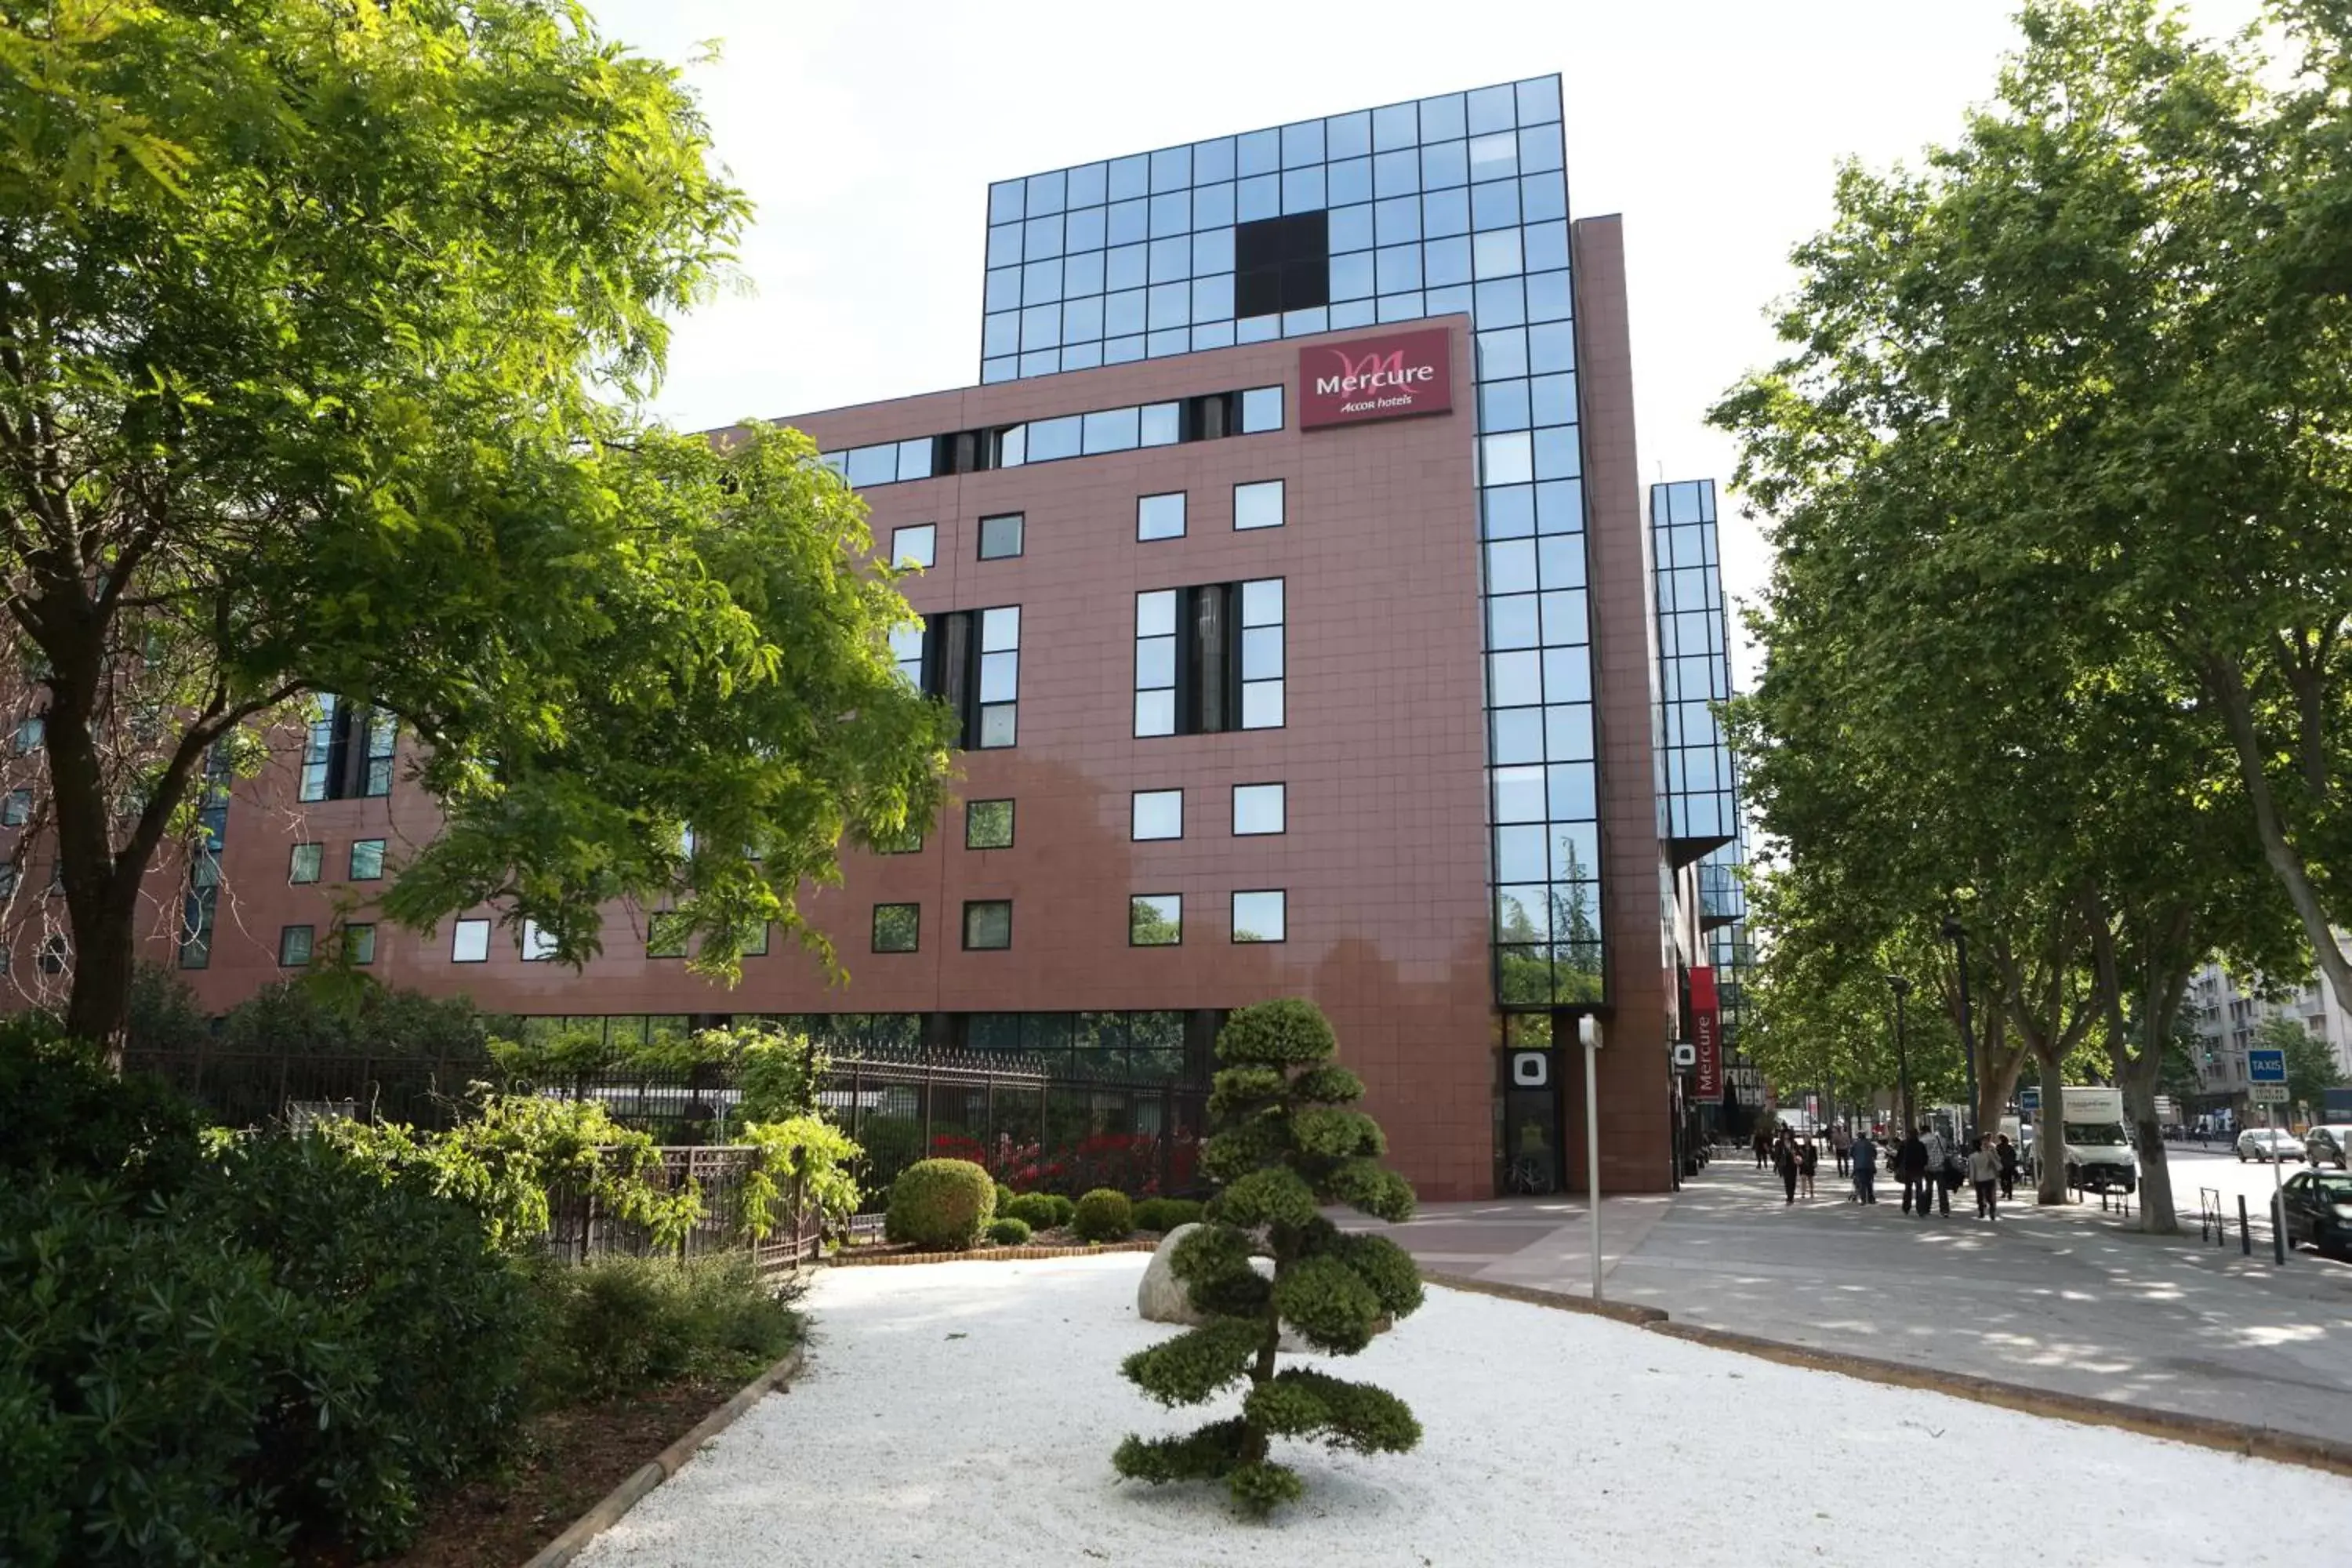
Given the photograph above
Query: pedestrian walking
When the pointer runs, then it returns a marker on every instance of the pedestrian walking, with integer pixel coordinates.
(2008, 1152)
(1984, 1170)
(1784, 1164)
(1841, 1146)
(1809, 1159)
(1762, 1144)
(1910, 1160)
(1865, 1170)
(1936, 1174)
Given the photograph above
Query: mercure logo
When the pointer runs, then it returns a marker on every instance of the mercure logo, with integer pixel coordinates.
(1375, 378)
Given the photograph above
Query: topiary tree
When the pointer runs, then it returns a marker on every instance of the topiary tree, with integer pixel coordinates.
(1286, 1144)
(941, 1203)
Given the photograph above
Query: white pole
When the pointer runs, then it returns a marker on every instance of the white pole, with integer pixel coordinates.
(1588, 1030)
(2278, 1209)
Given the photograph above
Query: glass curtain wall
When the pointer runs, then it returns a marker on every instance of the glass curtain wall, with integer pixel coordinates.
(1457, 203)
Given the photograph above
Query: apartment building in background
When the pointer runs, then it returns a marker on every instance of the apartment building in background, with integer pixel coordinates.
(1312, 635)
(2228, 1016)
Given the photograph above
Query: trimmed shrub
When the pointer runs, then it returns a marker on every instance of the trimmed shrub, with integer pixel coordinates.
(1041, 1211)
(1289, 1141)
(1164, 1215)
(1008, 1232)
(622, 1323)
(1004, 1198)
(941, 1203)
(1104, 1215)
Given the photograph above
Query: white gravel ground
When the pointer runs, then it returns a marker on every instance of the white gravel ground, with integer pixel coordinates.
(964, 1414)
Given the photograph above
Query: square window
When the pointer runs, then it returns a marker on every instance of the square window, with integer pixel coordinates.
(1155, 920)
(469, 942)
(1160, 517)
(665, 934)
(1156, 813)
(988, 924)
(913, 546)
(908, 840)
(1260, 410)
(308, 860)
(1282, 264)
(988, 825)
(367, 859)
(999, 537)
(359, 945)
(1259, 809)
(897, 928)
(1257, 505)
(757, 944)
(294, 947)
(538, 947)
(1260, 917)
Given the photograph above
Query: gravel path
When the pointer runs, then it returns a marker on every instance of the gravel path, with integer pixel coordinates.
(964, 1414)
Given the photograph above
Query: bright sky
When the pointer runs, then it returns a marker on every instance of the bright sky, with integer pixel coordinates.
(867, 134)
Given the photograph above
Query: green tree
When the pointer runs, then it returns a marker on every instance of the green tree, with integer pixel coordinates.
(324, 331)
(1286, 1144)
(2311, 1064)
(1965, 700)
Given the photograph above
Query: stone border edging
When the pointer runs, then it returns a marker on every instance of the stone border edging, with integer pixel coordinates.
(609, 1509)
(2315, 1453)
(988, 1254)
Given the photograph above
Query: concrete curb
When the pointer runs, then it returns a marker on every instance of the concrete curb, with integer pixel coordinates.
(1624, 1312)
(2325, 1454)
(609, 1509)
(988, 1255)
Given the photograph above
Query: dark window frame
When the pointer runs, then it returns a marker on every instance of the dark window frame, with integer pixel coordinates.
(352, 861)
(1012, 822)
(1131, 898)
(1020, 535)
(310, 938)
(1232, 815)
(1135, 795)
(294, 864)
(971, 904)
(457, 927)
(1232, 929)
(874, 928)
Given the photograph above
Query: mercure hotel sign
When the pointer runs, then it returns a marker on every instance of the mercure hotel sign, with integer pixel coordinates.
(1376, 378)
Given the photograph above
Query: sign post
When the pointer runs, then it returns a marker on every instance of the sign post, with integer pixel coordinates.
(1588, 1031)
(2266, 1071)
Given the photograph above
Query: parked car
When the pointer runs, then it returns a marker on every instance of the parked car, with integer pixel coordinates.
(2329, 1144)
(2316, 1206)
(2268, 1143)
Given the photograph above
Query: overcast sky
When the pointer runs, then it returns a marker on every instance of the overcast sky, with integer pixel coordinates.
(867, 134)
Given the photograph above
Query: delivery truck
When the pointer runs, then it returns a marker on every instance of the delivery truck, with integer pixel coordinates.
(2094, 1141)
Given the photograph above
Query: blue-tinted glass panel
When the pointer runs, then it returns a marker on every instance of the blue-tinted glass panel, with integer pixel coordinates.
(1396, 173)
(1258, 152)
(1351, 275)
(1129, 222)
(1542, 196)
(1398, 221)
(1082, 274)
(1213, 298)
(1350, 182)
(1448, 265)
(1129, 267)
(1212, 161)
(1502, 405)
(1172, 260)
(1045, 193)
(1004, 202)
(1256, 197)
(1560, 563)
(1130, 176)
(1213, 252)
(1397, 125)
(1171, 215)
(1213, 205)
(1302, 190)
(1351, 228)
(1084, 229)
(1088, 185)
(1347, 135)
(1400, 308)
(1509, 512)
(1302, 143)
(1494, 157)
(1004, 245)
(1042, 238)
(1548, 296)
(1445, 212)
(1496, 206)
(1444, 165)
(1041, 282)
(1352, 313)
(1003, 290)
(1492, 109)
(1551, 346)
(1539, 150)
(1539, 100)
(1171, 169)
(1442, 118)
(1498, 253)
(1553, 399)
(1500, 353)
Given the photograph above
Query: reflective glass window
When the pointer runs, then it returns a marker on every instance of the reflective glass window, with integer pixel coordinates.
(1260, 916)
(1155, 920)
(1260, 410)
(1159, 516)
(1347, 135)
(915, 545)
(988, 924)
(1156, 813)
(1259, 809)
(1000, 536)
(1257, 505)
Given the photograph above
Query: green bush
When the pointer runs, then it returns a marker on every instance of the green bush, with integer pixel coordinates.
(292, 1349)
(1164, 1215)
(1008, 1232)
(1288, 1140)
(623, 1323)
(1104, 1215)
(62, 1110)
(941, 1203)
(1003, 1197)
(1041, 1211)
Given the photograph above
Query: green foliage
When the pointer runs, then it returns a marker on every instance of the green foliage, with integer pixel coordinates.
(408, 272)
(1042, 1211)
(1004, 1198)
(163, 1013)
(1104, 1215)
(622, 1323)
(512, 1151)
(1288, 1141)
(1164, 1215)
(293, 1347)
(305, 1016)
(61, 1109)
(805, 1155)
(941, 1204)
(1008, 1232)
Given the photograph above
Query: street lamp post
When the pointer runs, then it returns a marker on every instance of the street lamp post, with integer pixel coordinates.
(1902, 988)
(1957, 934)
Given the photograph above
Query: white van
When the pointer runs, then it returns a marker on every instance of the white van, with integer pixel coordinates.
(2096, 1144)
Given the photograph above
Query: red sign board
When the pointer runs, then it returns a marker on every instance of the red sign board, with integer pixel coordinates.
(1376, 378)
(1707, 1033)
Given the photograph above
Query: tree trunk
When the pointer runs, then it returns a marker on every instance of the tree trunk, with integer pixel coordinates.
(2226, 683)
(2050, 1186)
(1996, 1082)
(98, 1009)
(2157, 1215)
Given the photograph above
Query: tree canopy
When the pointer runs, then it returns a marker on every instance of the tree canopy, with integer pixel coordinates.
(2033, 393)
(322, 336)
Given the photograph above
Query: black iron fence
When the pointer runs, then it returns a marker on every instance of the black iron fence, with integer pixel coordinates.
(580, 1229)
(1034, 1130)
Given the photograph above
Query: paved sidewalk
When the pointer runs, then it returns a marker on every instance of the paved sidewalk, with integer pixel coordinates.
(2054, 1299)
